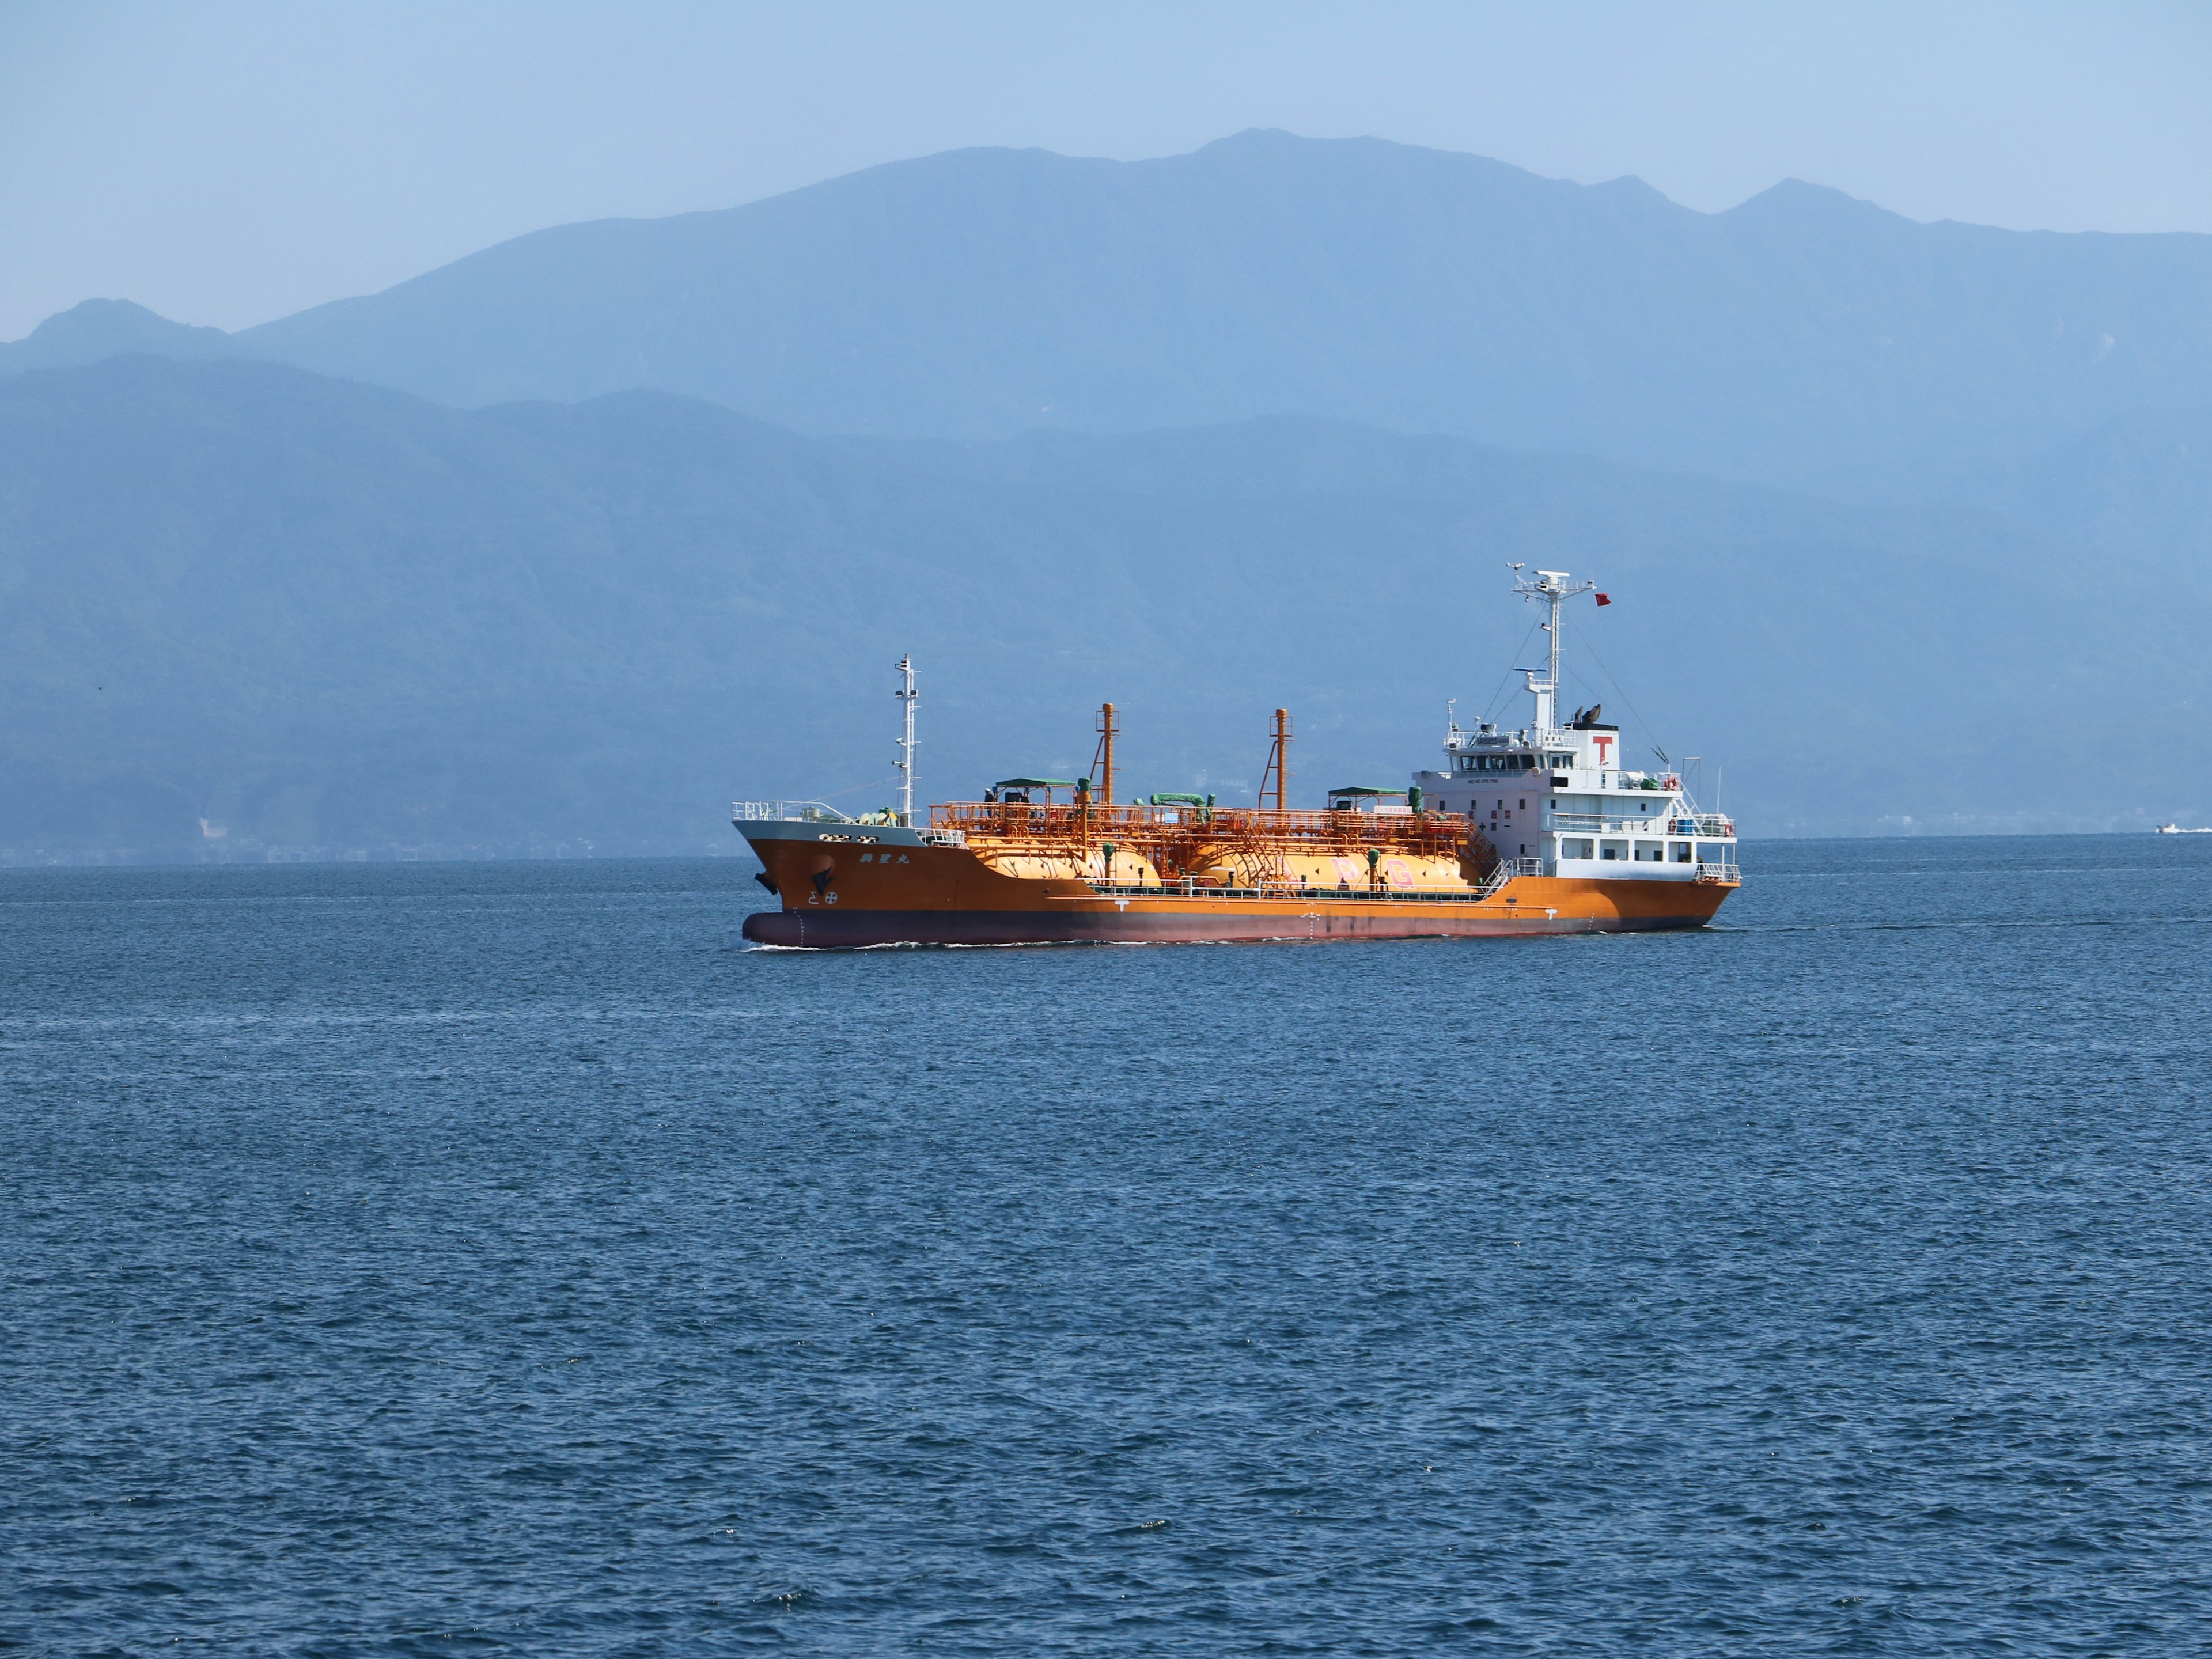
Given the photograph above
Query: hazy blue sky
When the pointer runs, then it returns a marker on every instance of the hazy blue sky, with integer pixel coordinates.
(229, 163)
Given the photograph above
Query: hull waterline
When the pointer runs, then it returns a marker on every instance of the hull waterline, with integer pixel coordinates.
(859, 929)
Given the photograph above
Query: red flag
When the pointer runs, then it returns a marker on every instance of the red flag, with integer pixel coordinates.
(1605, 599)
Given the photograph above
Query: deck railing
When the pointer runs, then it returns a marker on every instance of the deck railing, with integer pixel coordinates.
(1506, 870)
(1059, 824)
(785, 811)
(1596, 824)
(1293, 891)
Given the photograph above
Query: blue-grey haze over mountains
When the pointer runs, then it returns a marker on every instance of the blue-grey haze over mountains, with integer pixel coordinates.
(985, 293)
(566, 542)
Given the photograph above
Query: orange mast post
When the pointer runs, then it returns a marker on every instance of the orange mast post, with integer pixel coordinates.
(1102, 761)
(1278, 760)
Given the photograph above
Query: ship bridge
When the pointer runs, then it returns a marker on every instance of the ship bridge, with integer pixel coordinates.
(1561, 794)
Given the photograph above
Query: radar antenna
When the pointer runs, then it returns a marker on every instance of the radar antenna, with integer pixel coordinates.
(1554, 589)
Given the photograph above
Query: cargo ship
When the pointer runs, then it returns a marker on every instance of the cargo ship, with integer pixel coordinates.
(1543, 829)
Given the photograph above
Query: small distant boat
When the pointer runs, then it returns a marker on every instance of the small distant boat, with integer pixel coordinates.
(2176, 829)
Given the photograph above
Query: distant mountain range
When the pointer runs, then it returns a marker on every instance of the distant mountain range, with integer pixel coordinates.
(559, 547)
(244, 606)
(982, 294)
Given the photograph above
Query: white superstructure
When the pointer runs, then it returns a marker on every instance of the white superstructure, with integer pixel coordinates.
(1561, 792)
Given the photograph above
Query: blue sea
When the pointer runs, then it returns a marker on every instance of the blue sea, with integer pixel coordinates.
(501, 1258)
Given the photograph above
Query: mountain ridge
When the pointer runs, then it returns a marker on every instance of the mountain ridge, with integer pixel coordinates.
(94, 330)
(983, 293)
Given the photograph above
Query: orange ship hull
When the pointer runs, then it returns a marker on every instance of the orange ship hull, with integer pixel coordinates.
(924, 894)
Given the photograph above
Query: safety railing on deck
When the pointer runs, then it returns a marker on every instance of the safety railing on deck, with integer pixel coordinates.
(1062, 823)
(785, 811)
(1596, 824)
(815, 811)
(1362, 893)
(1506, 870)
(1716, 870)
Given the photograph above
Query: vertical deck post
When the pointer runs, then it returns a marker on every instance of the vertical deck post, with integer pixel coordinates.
(1278, 760)
(1101, 763)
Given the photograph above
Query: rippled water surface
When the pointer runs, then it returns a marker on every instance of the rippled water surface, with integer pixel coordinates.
(471, 1258)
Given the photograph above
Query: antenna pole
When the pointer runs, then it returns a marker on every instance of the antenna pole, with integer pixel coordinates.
(1547, 714)
(1554, 589)
(906, 695)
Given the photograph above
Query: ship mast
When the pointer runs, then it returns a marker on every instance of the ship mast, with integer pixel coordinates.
(1554, 589)
(1279, 761)
(905, 694)
(1102, 761)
